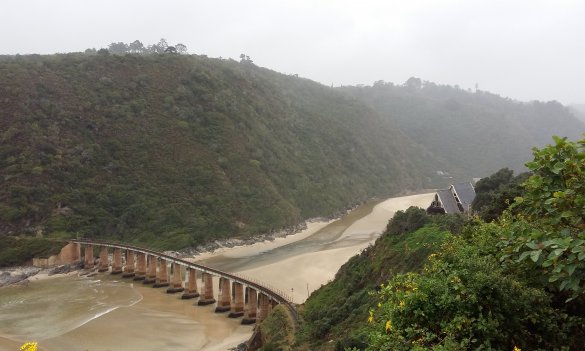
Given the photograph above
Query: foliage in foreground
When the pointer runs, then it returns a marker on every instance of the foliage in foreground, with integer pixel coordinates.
(466, 300)
(517, 283)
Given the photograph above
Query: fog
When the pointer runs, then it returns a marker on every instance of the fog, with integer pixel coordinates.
(524, 49)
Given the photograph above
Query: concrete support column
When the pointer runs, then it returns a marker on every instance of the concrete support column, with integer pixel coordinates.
(225, 296)
(71, 253)
(88, 263)
(75, 252)
(117, 264)
(191, 291)
(140, 273)
(162, 276)
(104, 260)
(238, 304)
(151, 276)
(265, 307)
(251, 306)
(177, 282)
(207, 298)
(129, 266)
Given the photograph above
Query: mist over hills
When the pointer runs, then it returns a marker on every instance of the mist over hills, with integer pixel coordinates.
(176, 150)
(469, 134)
(579, 111)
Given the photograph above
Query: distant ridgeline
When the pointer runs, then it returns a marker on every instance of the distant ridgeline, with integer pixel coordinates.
(176, 150)
(472, 134)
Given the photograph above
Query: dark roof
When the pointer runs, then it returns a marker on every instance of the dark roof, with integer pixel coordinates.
(465, 193)
(448, 201)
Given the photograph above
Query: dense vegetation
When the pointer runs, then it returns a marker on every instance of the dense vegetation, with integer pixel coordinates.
(516, 283)
(175, 150)
(470, 134)
(494, 194)
(21, 250)
(276, 330)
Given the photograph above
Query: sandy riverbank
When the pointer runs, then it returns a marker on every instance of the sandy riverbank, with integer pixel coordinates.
(263, 246)
(330, 245)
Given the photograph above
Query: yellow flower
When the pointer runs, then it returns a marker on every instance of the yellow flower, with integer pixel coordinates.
(516, 348)
(29, 346)
(388, 326)
(371, 317)
(401, 304)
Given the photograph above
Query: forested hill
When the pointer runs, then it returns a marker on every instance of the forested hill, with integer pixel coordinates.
(472, 134)
(173, 150)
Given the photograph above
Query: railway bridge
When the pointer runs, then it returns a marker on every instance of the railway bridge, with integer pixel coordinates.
(238, 296)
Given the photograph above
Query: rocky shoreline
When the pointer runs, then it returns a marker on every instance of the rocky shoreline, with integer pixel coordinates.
(20, 275)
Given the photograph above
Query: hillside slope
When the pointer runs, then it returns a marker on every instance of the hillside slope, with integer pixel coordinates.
(470, 134)
(174, 150)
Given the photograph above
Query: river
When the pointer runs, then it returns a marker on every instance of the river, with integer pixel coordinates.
(106, 313)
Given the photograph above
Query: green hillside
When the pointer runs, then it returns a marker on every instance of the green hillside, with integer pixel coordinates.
(470, 134)
(175, 150)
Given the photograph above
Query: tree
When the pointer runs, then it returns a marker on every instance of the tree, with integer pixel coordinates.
(118, 48)
(413, 83)
(181, 48)
(553, 208)
(494, 194)
(170, 50)
(136, 47)
(245, 58)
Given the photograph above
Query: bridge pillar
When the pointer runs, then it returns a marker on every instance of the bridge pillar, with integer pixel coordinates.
(251, 307)
(140, 266)
(191, 285)
(75, 253)
(238, 305)
(70, 253)
(88, 263)
(104, 260)
(151, 276)
(207, 298)
(129, 267)
(225, 296)
(117, 264)
(177, 283)
(162, 276)
(265, 307)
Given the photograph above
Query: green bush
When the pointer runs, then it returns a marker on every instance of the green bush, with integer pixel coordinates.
(464, 299)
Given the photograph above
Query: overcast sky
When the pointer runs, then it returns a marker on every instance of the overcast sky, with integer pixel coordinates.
(523, 49)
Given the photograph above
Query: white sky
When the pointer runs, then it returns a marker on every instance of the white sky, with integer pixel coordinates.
(524, 49)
